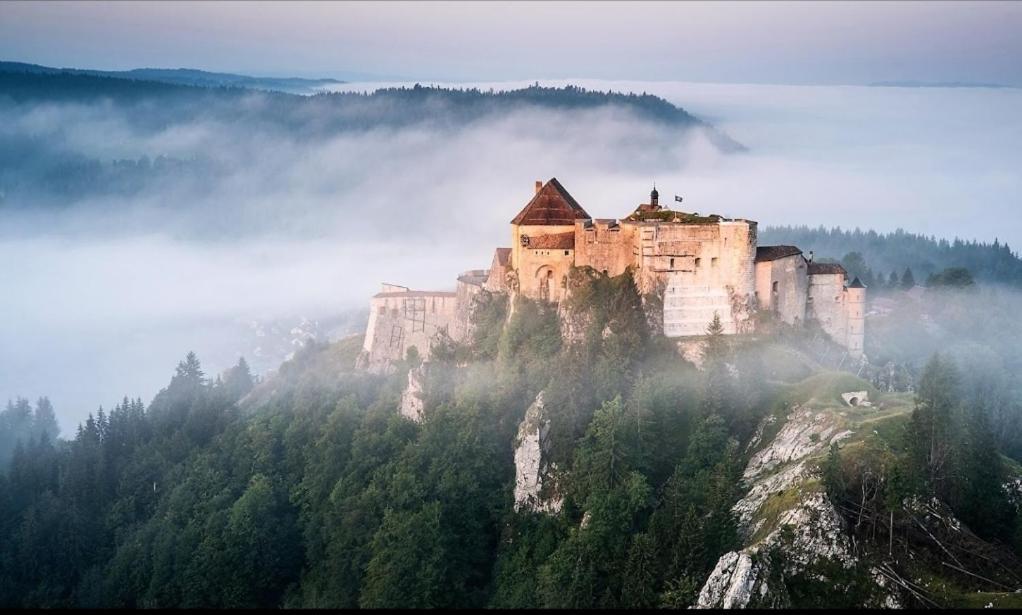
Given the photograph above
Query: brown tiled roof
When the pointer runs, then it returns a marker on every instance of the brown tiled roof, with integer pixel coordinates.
(502, 256)
(551, 206)
(560, 241)
(825, 268)
(772, 253)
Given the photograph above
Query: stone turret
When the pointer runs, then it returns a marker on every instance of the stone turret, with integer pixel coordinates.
(856, 308)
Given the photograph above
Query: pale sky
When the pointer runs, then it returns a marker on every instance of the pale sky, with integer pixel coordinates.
(743, 42)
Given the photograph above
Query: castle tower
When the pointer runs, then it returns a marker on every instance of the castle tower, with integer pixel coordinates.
(856, 307)
(543, 242)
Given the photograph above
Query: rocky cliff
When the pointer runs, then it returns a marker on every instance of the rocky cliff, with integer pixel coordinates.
(535, 487)
(789, 525)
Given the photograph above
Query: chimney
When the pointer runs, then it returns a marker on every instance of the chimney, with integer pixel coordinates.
(810, 256)
(539, 186)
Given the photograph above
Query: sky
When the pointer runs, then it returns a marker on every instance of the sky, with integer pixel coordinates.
(744, 42)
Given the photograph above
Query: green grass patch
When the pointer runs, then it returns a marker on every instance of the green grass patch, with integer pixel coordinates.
(777, 504)
(823, 390)
(981, 600)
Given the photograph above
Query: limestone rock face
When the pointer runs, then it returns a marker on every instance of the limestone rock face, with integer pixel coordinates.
(533, 478)
(731, 583)
(412, 404)
(805, 432)
(783, 492)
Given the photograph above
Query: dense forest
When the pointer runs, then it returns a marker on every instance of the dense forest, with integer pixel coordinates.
(21, 424)
(901, 259)
(349, 110)
(311, 490)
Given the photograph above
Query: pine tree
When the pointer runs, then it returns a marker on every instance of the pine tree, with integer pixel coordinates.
(45, 421)
(238, 380)
(908, 281)
(189, 370)
(931, 434)
(717, 380)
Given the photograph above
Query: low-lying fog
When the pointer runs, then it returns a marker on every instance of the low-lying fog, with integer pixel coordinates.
(103, 298)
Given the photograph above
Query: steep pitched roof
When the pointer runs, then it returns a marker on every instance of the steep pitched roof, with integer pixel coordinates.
(825, 269)
(772, 253)
(856, 283)
(551, 206)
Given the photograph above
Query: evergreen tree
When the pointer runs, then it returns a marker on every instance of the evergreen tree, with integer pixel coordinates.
(238, 381)
(189, 370)
(718, 385)
(931, 434)
(908, 281)
(45, 420)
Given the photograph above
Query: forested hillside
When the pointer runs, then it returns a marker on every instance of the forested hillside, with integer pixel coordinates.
(883, 259)
(311, 490)
(41, 165)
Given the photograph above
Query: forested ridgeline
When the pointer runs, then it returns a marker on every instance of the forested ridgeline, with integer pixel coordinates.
(901, 259)
(59, 164)
(325, 113)
(310, 489)
(182, 76)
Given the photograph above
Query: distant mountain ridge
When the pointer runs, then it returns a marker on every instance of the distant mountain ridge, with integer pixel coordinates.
(938, 84)
(184, 76)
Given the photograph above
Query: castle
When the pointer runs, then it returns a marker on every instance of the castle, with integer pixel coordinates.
(701, 265)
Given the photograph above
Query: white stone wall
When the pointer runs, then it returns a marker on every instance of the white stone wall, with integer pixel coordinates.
(709, 269)
(792, 282)
(403, 319)
(827, 299)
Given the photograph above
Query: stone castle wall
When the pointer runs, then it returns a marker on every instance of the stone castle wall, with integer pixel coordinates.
(605, 245)
(782, 286)
(826, 303)
(706, 269)
(542, 269)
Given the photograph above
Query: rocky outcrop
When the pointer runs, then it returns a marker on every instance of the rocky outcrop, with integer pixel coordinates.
(412, 404)
(535, 487)
(786, 508)
(805, 432)
(732, 582)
